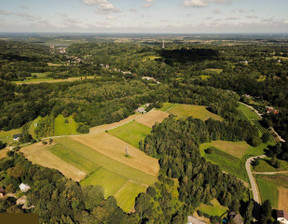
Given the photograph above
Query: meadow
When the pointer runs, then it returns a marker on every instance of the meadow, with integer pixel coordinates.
(65, 126)
(264, 166)
(116, 176)
(132, 132)
(268, 191)
(227, 162)
(185, 110)
(150, 118)
(215, 209)
(7, 136)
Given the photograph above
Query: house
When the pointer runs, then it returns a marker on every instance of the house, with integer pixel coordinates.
(282, 217)
(24, 187)
(193, 220)
(2, 192)
(271, 110)
(236, 218)
(16, 137)
(141, 110)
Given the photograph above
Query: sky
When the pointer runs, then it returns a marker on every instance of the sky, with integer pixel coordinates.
(144, 16)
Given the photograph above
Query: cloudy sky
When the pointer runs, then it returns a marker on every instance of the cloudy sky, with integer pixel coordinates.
(144, 16)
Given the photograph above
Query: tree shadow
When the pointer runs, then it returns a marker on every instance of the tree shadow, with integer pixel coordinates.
(188, 55)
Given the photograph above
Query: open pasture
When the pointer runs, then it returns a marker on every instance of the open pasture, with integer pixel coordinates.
(92, 155)
(152, 117)
(50, 80)
(283, 199)
(213, 210)
(236, 149)
(199, 112)
(65, 126)
(132, 132)
(40, 154)
(110, 181)
(268, 191)
(115, 149)
(7, 136)
(127, 193)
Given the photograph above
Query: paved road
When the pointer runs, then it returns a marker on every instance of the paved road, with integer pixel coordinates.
(254, 187)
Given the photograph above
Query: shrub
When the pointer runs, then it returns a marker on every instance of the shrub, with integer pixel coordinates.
(44, 143)
(83, 129)
(209, 150)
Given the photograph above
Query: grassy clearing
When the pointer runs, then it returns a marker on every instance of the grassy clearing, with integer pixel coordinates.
(73, 158)
(50, 80)
(61, 127)
(7, 136)
(152, 117)
(41, 75)
(256, 151)
(268, 191)
(280, 180)
(200, 112)
(112, 165)
(264, 166)
(33, 126)
(167, 106)
(283, 199)
(132, 133)
(126, 195)
(250, 114)
(227, 163)
(214, 70)
(111, 182)
(215, 209)
(236, 149)
(40, 154)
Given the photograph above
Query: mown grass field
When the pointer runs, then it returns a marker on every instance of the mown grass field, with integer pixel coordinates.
(152, 117)
(227, 162)
(132, 133)
(250, 114)
(185, 110)
(117, 178)
(214, 70)
(63, 128)
(33, 127)
(126, 195)
(41, 154)
(268, 191)
(50, 80)
(7, 136)
(283, 199)
(110, 181)
(264, 166)
(236, 149)
(213, 210)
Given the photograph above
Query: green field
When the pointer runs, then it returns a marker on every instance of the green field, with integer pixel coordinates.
(62, 128)
(126, 195)
(34, 80)
(248, 113)
(268, 191)
(41, 75)
(186, 110)
(111, 182)
(74, 158)
(99, 159)
(227, 163)
(214, 70)
(33, 127)
(280, 180)
(7, 136)
(264, 166)
(117, 179)
(215, 209)
(236, 149)
(131, 133)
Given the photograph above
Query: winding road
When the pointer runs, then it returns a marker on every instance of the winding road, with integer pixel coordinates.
(254, 187)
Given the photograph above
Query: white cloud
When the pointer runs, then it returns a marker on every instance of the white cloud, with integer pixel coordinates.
(217, 11)
(24, 7)
(202, 3)
(252, 17)
(5, 12)
(148, 4)
(232, 18)
(27, 16)
(103, 5)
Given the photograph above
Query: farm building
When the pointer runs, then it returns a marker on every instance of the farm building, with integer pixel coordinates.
(16, 137)
(2, 192)
(282, 217)
(193, 220)
(236, 218)
(24, 187)
(271, 110)
(141, 110)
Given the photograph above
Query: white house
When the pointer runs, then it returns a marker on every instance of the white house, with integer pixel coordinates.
(24, 187)
(282, 217)
(193, 220)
